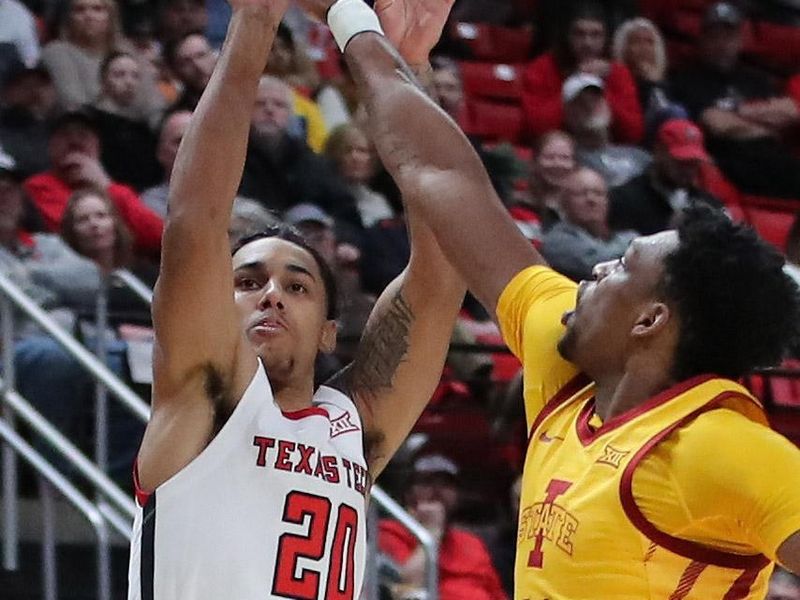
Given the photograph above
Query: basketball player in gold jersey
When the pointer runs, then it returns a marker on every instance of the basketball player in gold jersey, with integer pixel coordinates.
(650, 472)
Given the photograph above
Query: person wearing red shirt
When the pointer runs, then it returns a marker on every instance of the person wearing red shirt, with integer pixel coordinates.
(581, 50)
(74, 149)
(465, 567)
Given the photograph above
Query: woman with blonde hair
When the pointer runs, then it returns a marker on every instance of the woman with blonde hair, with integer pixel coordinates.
(639, 45)
(351, 153)
(89, 30)
(93, 228)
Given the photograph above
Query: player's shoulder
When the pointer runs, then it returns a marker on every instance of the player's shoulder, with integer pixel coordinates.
(724, 441)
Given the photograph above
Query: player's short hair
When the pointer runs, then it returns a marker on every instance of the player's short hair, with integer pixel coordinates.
(738, 309)
(292, 235)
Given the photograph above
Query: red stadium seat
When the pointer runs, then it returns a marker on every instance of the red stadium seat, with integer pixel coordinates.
(715, 183)
(495, 43)
(771, 218)
(774, 45)
(492, 121)
(491, 80)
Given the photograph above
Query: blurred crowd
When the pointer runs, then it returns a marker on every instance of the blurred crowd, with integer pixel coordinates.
(598, 121)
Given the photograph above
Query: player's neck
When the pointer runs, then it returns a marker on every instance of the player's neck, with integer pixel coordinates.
(618, 394)
(292, 396)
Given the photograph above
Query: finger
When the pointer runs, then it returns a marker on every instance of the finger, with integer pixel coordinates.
(382, 5)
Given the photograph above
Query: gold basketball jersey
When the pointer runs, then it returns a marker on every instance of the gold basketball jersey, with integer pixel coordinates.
(582, 534)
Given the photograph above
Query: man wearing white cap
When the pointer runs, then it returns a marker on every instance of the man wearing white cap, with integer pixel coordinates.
(587, 116)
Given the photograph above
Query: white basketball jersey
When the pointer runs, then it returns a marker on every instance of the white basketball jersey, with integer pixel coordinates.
(274, 507)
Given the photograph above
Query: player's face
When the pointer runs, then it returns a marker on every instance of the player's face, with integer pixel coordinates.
(620, 306)
(281, 298)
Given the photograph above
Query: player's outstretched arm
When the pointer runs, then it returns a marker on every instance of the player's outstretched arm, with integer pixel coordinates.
(429, 156)
(200, 349)
(402, 351)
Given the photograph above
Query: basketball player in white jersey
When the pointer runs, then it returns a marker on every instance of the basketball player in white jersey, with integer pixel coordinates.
(253, 485)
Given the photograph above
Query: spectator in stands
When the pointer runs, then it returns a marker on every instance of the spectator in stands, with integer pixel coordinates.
(128, 144)
(318, 229)
(639, 45)
(192, 61)
(351, 152)
(651, 202)
(742, 112)
(338, 100)
(556, 13)
(249, 217)
(587, 116)
(89, 31)
(783, 586)
(582, 50)
(465, 568)
(449, 88)
(27, 100)
(40, 263)
(93, 228)
(553, 162)
(289, 62)
(584, 238)
(173, 128)
(280, 170)
(385, 252)
(74, 150)
(19, 39)
(179, 18)
(65, 283)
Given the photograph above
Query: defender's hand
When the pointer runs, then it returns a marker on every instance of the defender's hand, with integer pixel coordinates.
(413, 26)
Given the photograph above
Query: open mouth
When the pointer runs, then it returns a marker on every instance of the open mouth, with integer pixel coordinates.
(268, 327)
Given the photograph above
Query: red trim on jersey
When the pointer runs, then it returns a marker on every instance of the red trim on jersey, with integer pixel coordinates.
(141, 496)
(296, 415)
(689, 577)
(587, 434)
(741, 587)
(690, 550)
(572, 387)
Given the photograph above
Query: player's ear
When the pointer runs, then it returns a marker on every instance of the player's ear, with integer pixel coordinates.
(651, 320)
(327, 341)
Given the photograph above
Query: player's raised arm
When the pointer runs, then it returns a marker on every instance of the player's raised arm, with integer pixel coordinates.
(200, 348)
(429, 157)
(402, 351)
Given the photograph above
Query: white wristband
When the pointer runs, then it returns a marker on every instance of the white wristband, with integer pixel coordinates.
(348, 18)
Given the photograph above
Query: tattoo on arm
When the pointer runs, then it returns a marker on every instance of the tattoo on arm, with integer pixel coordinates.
(383, 348)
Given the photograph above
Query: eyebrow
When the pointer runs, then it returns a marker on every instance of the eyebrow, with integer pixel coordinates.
(298, 269)
(257, 265)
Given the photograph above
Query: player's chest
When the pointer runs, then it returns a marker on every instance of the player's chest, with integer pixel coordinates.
(323, 452)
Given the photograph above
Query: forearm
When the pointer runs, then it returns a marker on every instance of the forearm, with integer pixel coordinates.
(776, 114)
(725, 123)
(437, 170)
(211, 157)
